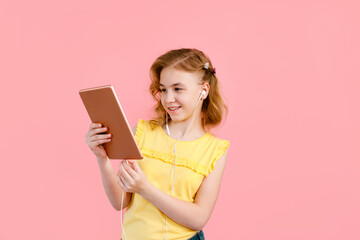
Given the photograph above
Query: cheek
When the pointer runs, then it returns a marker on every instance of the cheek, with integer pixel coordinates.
(162, 101)
(186, 100)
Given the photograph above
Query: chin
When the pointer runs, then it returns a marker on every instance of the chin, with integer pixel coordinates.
(180, 118)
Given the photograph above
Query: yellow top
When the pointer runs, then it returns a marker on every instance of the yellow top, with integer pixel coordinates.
(195, 160)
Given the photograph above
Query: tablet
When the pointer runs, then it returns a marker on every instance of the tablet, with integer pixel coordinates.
(103, 107)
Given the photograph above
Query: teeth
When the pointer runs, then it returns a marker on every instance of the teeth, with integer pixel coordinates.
(173, 108)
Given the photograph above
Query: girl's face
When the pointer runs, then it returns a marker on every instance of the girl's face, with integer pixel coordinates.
(180, 91)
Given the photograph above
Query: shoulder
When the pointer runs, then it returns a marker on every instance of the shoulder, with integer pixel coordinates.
(216, 141)
(148, 135)
(220, 149)
(209, 151)
(138, 131)
(144, 125)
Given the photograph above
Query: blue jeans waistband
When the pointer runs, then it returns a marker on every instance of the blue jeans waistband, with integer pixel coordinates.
(198, 236)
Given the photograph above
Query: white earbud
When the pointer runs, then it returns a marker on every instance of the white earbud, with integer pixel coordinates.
(203, 93)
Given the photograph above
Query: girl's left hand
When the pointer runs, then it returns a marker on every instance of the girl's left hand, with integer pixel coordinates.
(131, 178)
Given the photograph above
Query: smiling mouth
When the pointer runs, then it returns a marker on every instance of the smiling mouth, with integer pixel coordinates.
(172, 109)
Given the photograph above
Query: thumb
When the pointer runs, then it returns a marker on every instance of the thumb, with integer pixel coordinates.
(131, 161)
(135, 165)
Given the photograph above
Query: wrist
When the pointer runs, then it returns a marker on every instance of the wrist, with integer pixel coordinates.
(146, 189)
(102, 161)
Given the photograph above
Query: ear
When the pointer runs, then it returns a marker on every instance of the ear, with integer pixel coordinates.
(205, 87)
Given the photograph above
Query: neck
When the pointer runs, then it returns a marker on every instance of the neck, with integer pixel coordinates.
(178, 129)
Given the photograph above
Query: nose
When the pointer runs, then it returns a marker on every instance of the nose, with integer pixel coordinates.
(169, 97)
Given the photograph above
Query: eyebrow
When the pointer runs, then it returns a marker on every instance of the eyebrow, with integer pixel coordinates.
(175, 84)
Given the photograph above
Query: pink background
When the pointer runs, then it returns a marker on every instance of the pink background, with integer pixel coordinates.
(289, 72)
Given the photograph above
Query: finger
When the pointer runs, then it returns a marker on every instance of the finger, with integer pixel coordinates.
(131, 161)
(120, 176)
(121, 162)
(130, 170)
(121, 183)
(136, 166)
(98, 142)
(95, 131)
(91, 128)
(94, 125)
(124, 173)
(95, 138)
(124, 163)
(101, 140)
(125, 183)
(119, 172)
(100, 137)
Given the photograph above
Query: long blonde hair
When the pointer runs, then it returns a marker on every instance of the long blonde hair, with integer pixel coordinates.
(190, 60)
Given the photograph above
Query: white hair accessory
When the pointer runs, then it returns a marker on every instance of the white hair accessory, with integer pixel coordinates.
(207, 65)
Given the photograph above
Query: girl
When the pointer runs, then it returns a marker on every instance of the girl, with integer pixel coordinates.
(171, 193)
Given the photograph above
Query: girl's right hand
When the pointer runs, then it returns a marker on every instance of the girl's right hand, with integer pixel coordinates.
(95, 139)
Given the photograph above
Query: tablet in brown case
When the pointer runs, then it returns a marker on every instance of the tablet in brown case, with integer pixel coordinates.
(104, 107)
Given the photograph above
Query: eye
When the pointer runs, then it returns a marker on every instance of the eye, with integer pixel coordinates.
(178, 89)
(163, 90)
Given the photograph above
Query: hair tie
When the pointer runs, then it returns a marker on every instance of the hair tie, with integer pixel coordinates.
(206, 66)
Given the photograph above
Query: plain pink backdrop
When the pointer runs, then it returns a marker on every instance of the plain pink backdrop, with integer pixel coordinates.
(289, 72)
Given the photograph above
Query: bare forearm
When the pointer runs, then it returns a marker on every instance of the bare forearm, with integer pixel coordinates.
(112, 188)
(185, 213)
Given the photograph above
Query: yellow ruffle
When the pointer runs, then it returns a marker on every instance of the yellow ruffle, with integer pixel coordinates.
(221, 148)
(181, 162)
(139, 131)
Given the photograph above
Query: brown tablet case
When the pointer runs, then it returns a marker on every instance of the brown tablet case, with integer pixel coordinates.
(104, 107)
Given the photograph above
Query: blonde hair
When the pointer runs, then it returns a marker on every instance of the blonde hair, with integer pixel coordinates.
(190, 60)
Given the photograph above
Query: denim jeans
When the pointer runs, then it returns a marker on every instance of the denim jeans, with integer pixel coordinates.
(198, 236)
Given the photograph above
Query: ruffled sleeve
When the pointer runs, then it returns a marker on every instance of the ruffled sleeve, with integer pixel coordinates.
(221, 147)
(139, 132)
